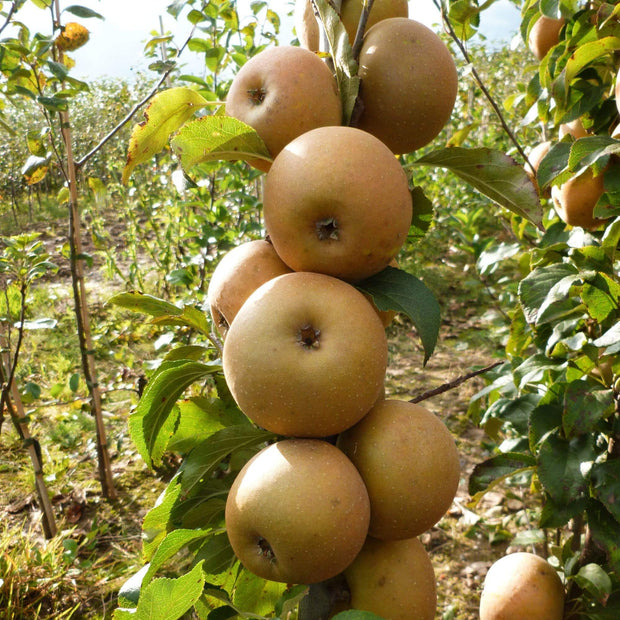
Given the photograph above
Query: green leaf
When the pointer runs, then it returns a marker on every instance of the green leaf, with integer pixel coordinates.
(189, 317)
(490, 472)
(140, 302)
(82, 11)
(169, 599)
(610, 340)
(216, 554)
(201, 417)
(422, 213)
(156, 523)
(584, 407)
(595, 580)
(494, 174)
(167, 111)
(205, 457)
(606, 485)
(395, 289)
(342, 56)
(129, 592)
(217, 137)
(256, 595)
(604, 530)
(544, 287)
(147, 424)
(562, 465)
(600, 296)
(173, 543)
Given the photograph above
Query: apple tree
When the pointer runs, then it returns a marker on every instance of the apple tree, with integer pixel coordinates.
(551, 407)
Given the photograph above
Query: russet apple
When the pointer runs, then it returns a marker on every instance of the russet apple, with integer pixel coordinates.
(238, 274)
(544, 34)
(410, 464)
(308, 31)
(283, 92)
(408, 84)
(306, 355)
(522, 585)
(337, 201)
(393, 579)
(297, 512)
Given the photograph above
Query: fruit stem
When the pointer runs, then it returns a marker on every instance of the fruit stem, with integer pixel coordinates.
(361, 29)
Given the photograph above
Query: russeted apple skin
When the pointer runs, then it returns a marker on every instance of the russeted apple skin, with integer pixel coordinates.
(297, 512)
(337, 201)
(617, 91)
(409, 462)
(307, 28)
(238, 274)
(393, 579)
(574, 201)
(408, 86)
(283, 92)
(306, 355)
(544, 34)
(522, 585)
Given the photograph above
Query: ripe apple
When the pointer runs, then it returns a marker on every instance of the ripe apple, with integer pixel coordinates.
(522, 585)
(308, 31)
(575, 128)
(534, 157)
(544, 34)
(574, 201)
(409, 463)
(337, 201)
(297, 512)
(408, 84)
(238, 274)
(617, 91)
(393, 579)
(283, 92)
(306, 355)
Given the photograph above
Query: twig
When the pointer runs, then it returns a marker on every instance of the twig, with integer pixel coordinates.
(361, 29)
(478, 79)
(453, 384)
(7, 21)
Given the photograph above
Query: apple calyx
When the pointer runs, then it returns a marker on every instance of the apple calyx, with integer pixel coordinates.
(257, 95)
(308, 337)
(265, 550)
(327, 229)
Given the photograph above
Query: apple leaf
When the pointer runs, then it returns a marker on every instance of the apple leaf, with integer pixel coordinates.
(395, 289)
(167, 111)
(217, 137)
(141, 302)
(494, 174)
(342, 56)
(149, 423)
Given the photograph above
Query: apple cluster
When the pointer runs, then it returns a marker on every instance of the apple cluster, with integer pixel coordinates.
(355, 477)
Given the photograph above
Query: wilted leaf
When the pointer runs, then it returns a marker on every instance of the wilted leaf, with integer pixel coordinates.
(167, 111)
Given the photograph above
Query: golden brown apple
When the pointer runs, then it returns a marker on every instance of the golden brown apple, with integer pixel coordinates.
(308, 31)
(337, 201)
(283, 92)
(522, 585)
(410, 464)
(408, 84)
(297, 512)
(306, 355)
(238, 274)
(574, 128)
(574, 201)
(544, 34)
(393, 579)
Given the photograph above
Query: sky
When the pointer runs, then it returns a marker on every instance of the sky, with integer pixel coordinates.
(116, 46)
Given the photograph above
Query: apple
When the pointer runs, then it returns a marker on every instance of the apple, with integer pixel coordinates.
(534, 157)
(393, 579)
(574, 201)
(410, 464)
(297, 512)
(306, 355)
(574, 128)
(617, 90)
(408, 84)
(544, 34)
(238, 274)
(337, 201)
(283, 92)
(307, 27)
(522, 585)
